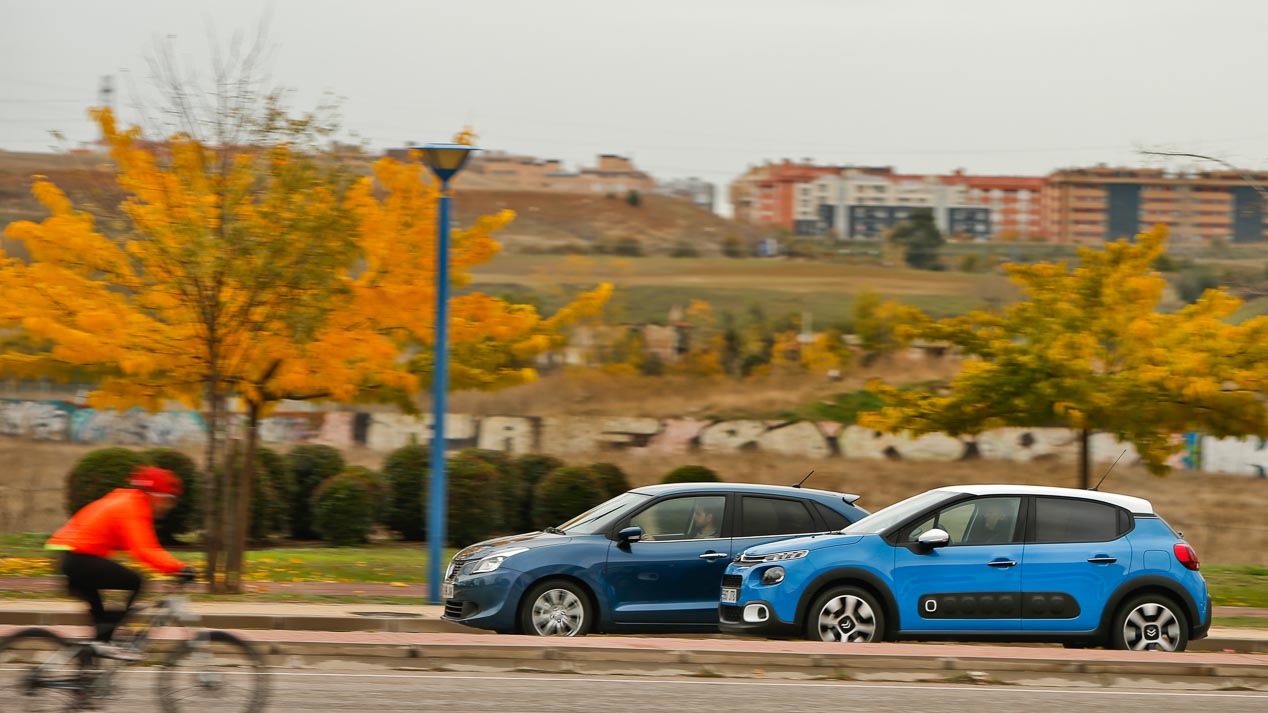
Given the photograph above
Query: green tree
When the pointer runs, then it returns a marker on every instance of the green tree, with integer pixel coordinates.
(565, 493)
(1088, 349)
(98, 473)
(611, 477)
(407, 469)
(343, 510)
(532, 467)
(183, 517)
(920, 239)
(691, 474)
(310, 464)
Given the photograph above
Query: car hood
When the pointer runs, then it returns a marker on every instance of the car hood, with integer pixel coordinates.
(807, 542)
(530, 540)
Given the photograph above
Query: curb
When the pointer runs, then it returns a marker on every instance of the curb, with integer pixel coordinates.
(275, 622)
(870, 667)
(419, 624)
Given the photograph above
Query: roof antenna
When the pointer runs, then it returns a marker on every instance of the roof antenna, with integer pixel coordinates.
(798, 485)
(1094, 488)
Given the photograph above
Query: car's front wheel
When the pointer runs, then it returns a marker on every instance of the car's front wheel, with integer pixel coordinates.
(1150, 622)
(846, 615)
(556, 608)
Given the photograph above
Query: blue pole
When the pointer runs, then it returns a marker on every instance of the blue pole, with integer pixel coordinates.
(439, 390)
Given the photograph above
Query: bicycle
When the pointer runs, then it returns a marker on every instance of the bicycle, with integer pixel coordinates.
(42, 671)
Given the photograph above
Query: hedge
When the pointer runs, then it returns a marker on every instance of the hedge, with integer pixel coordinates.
(406, 470)
(343, 510)
(310, 464)
(691, 474)
(564, 494)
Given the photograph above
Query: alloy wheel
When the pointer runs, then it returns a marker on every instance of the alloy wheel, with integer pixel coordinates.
(558, 612)
(847, 619)
(1151, 627)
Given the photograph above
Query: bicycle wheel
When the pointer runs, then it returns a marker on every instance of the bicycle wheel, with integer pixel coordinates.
(40, 671)
(216, 671)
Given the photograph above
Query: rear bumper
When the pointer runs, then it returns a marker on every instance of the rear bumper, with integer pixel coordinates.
(1201, 630)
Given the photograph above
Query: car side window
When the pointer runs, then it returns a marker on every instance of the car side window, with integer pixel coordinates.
(831, 518)
(981, 521)
(1073, 520)
(774, 516)
(694, 517)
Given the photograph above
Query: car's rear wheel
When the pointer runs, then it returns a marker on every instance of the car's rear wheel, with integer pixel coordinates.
(556, 608)
(1150, 622)
(848, 615)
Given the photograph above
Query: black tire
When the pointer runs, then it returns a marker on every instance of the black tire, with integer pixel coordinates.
(556, 607)
(846, 614)
(40, 671)
(1150, 622)
(221, 673)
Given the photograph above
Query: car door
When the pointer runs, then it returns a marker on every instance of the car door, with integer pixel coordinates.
(673, 575)
(973, 583)
(1076, 555)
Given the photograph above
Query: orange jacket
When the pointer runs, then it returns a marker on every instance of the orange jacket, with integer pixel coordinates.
(122, 520)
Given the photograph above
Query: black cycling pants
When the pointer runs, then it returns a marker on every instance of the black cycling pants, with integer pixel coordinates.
(87, 575)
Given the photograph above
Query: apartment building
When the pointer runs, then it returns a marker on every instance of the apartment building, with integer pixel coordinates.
(1015, 202)
(768, 194)
(698, 191)
(1090, 205)
(866, 202)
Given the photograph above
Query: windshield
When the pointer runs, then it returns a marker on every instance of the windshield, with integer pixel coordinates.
(882, 520)
(600, 517)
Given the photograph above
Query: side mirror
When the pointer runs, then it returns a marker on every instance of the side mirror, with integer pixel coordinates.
(933, 539)
(629, 534)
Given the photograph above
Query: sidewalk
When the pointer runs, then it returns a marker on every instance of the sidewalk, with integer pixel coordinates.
(414, 637)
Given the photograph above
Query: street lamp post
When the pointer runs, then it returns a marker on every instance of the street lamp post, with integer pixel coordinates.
(444, 160)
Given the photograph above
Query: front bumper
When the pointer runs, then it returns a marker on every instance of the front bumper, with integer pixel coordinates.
(486, 601)
(754, 618)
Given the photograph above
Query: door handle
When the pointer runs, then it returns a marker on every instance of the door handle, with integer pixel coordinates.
(1102, 559)
(1002, 563)
(713, 555)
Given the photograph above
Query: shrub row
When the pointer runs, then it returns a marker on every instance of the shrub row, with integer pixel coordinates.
(312, 493)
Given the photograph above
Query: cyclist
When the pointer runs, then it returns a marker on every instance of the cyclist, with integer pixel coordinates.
(122, 520)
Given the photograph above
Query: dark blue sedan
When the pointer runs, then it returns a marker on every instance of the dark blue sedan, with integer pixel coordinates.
(649, 560)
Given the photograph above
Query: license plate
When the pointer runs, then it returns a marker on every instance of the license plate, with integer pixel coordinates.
(446, 590)
(730, 595)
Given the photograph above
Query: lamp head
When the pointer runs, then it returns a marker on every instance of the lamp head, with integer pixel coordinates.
(445, 160)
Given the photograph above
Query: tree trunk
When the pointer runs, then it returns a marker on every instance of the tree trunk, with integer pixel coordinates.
(241, 531)
(1085, 458)
(233, 489)
(213, 485)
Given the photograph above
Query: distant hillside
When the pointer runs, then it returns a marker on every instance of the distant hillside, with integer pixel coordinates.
(586, 223)
(546, 221)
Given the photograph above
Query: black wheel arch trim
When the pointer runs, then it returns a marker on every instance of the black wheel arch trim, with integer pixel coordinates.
(846, 575)
(1148, 583)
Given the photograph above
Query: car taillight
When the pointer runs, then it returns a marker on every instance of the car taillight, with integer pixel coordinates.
(1187, 556)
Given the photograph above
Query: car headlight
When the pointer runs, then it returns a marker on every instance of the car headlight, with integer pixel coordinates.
(773, 557)
(492, 562)
(774, 575)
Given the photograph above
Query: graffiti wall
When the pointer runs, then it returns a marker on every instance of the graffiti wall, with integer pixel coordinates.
(565, 436)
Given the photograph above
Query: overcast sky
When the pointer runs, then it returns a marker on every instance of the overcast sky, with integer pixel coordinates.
(702, 87)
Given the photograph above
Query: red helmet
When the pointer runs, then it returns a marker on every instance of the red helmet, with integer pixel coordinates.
(156, 480)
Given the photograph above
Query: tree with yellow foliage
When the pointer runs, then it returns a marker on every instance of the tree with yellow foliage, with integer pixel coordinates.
(1087, 348)
(260, 271)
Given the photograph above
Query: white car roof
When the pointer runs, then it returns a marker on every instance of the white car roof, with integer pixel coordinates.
(1139, 506)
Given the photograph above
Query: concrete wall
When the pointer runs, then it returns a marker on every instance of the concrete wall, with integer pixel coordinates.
(566, 436)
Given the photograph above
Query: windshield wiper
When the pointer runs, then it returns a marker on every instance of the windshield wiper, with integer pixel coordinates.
(553, 531)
